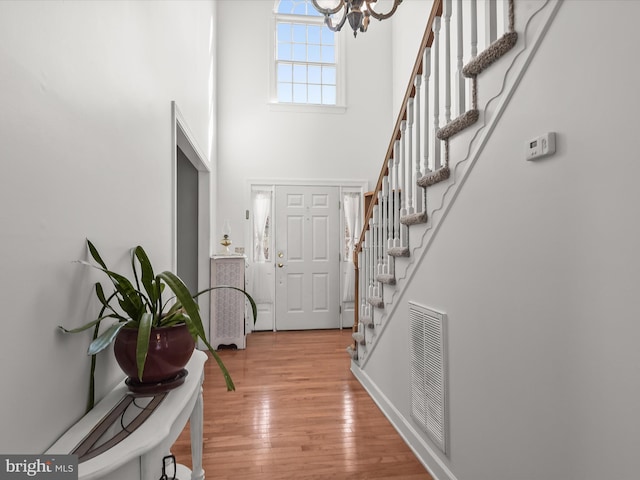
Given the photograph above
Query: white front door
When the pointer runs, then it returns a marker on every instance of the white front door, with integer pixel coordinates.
(307, 240)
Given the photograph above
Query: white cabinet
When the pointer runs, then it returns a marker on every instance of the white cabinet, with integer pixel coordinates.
(227, 305)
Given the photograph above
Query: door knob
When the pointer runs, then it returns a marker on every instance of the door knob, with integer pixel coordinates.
(280, 265)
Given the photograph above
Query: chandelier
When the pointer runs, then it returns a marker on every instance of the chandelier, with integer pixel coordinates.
(356, 11)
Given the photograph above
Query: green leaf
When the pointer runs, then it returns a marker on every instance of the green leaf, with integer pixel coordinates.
(181, 292)
(100, 294)
(134, 269)
(147, 274)
(254, 308)
(175, 319)
(174, 308)
(96, 256)
(225, 373)
(193, 320)
(91, 398)
(142, 345)
(87, 326)
(131, 300)
(106, 338)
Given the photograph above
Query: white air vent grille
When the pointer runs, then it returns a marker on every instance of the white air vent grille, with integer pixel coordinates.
(428, 372)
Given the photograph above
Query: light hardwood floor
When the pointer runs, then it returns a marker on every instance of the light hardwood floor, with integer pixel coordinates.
(297, 413)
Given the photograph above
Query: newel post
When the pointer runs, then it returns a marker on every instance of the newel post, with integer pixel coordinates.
(356, 303)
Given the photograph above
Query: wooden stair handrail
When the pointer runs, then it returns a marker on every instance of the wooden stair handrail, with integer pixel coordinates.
(427, 41)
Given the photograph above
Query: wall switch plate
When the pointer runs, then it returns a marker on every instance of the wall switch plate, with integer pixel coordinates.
(541, 146)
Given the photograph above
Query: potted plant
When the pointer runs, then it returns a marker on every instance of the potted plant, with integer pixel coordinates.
(142, 306)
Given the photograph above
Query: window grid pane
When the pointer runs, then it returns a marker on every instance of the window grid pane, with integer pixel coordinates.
(305, 57)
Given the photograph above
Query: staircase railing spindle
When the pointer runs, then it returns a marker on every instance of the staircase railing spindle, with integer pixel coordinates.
(436, 92)
(396, 193)
(409, 160)
(363, 248)
(447, 60)
(460, 79)
(384, 241)
(426, 75)
(418, 173)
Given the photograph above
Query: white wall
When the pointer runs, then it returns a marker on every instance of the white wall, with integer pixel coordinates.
(409, 23)
(85, 144)
(256, 142)
(537, 268)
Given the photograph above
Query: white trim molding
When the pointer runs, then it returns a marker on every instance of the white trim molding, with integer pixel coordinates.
(425, 453)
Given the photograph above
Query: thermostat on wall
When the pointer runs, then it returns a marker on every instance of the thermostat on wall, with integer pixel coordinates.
(542, 146)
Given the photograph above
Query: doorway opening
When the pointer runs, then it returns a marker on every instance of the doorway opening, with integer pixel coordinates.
(300, 267)
(191, 222)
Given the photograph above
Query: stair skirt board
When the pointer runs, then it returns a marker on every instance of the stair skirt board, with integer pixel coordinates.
(493, 52)
(414, 218)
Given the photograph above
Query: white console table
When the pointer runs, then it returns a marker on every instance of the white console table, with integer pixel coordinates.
(140, 455)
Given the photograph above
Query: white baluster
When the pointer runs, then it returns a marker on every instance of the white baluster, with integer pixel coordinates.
(361, 271)
(473, 19)
(418, 174)
(385, 223)
(436, 92)
(402, 175)
(447, 60)
(377, 212)
(391, 207)
(409, 165)
(371, 259)
(365, 266)
(374, 250)
(396, 194)
(426, 72)
(460, 80)
(491, 22)
(504, 17)
(362, 265)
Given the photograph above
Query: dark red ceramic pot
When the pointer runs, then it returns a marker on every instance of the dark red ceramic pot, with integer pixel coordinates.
(170, 349)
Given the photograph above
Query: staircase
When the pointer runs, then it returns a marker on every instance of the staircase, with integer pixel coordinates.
(431, 152)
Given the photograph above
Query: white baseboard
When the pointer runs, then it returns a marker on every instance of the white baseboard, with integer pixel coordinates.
(424, 452)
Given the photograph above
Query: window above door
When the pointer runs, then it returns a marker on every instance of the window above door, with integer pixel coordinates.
(307, 60)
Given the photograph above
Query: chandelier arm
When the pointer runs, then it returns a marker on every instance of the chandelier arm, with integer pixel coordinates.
(380, 16)
(338, 26)
(327, 11)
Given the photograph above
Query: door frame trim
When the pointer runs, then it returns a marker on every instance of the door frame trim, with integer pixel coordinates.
(182, 136)
(343, 184)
